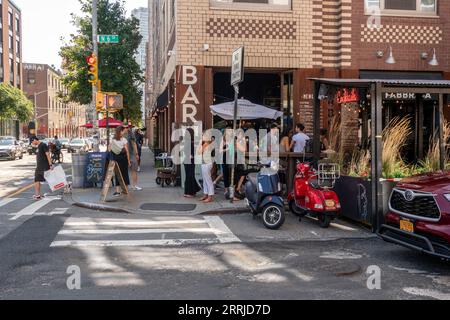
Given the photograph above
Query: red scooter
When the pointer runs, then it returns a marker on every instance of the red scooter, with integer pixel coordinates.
(313, 193)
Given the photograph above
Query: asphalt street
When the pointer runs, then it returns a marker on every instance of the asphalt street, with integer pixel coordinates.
(146, 256)
(204, 257)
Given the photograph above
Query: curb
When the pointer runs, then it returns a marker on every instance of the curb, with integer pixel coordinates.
(100, 207)
(93, 206)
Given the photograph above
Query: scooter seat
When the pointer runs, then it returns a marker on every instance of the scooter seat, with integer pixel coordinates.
(253, 178)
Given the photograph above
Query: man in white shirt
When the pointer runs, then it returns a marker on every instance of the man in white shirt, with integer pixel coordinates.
(299, 140)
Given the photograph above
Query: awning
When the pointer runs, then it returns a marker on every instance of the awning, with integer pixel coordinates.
(163, 99)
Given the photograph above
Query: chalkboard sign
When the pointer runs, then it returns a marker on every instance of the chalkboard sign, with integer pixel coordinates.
(95, 169)
(112, 171)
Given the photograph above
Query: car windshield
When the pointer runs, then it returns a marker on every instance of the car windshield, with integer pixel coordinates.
(6, 142)
(77, 141)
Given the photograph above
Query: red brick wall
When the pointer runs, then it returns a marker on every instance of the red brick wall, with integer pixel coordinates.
(407, 55)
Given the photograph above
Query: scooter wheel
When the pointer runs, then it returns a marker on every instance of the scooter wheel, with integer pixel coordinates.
(296, 210)
(158, 181)
(325, 221)
(273, 216)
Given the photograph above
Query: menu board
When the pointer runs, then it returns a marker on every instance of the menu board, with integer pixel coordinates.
(95, 169)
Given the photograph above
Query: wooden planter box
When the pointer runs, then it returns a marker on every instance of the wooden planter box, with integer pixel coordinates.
(355, 195)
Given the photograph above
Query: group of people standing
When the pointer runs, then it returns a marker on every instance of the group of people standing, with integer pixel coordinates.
(289, 142)
(126, 150)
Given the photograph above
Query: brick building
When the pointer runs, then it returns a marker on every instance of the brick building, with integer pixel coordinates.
(10, 56)
(287, 42)
(43, 85)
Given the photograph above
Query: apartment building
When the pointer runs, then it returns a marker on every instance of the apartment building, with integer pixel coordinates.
(43, 85)
(142, 15)
(287, 42)
(10, 56)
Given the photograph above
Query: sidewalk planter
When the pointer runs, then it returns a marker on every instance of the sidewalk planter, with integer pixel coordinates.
(79, 163)
(355, 194)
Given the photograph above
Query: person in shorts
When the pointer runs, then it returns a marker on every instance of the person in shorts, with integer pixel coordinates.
(43, 164)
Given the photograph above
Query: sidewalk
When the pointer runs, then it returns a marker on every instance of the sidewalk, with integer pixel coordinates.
(153, 199)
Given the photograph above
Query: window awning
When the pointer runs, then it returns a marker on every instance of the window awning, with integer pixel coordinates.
(163, 99)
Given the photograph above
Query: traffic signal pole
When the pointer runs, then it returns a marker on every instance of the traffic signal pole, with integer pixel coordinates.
(94, 87)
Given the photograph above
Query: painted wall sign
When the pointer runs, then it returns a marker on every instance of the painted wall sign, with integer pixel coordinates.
(190, 101)
(408, 96)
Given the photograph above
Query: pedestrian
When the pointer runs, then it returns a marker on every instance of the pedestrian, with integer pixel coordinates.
(43, 164)
(121, 155)
(285, 143)
(300, 139)
(207, 166)
(324, 144)
(134, 159)
(191, 187)
(140, 144)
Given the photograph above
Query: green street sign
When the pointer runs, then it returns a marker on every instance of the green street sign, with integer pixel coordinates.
(108, 39)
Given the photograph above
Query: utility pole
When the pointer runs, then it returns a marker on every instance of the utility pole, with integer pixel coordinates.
(94, 87)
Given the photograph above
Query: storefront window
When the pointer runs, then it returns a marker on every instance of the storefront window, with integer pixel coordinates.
(422, 7)
(253, 4)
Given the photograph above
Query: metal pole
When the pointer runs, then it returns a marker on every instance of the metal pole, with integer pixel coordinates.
(442, 142)
(94, 88)
(236, 97)
(35, 115)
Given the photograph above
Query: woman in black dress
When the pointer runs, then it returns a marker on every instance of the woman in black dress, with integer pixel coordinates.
(191, 187)
(120, 154)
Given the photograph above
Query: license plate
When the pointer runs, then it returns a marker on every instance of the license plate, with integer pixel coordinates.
(407, 226)
(330, 203)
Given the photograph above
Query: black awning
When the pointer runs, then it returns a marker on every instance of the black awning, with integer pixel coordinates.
(163, 99)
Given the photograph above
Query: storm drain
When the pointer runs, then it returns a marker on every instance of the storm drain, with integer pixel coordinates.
(168, 207)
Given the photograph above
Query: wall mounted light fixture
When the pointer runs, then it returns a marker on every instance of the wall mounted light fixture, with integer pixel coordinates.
(390, 59)
(434, 61)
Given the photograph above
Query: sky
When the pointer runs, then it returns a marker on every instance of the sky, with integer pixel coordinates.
(45, 22)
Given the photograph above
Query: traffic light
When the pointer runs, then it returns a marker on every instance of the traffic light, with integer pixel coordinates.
(115, 102)
(92, 69)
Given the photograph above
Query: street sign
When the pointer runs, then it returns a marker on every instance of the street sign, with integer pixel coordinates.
(237, 66)
(108, 39)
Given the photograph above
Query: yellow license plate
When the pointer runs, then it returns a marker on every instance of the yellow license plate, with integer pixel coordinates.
(330, 203)
(407, 226)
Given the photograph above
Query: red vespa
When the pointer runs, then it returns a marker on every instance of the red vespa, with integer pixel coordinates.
(313, 193)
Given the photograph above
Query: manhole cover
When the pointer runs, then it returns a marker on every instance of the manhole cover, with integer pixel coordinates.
(341, 269)
(168, 207)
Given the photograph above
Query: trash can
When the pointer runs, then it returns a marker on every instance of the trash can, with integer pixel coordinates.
(79, 162)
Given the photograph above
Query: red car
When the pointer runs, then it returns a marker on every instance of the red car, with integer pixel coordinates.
(419, 214)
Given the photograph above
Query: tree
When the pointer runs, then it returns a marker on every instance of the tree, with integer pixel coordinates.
(118, 69)
(14, 104)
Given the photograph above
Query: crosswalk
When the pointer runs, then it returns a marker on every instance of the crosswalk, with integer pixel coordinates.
(176, 231)
(88, 229)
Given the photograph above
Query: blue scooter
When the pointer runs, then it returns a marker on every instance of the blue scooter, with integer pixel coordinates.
(263, 196)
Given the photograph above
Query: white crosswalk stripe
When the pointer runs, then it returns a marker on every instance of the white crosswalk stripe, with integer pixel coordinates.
(31, 209)
(90, 232)
(10, 205)
(7, 201)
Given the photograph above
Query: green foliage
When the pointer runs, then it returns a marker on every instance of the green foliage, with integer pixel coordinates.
(118, 68)
(14, 104)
